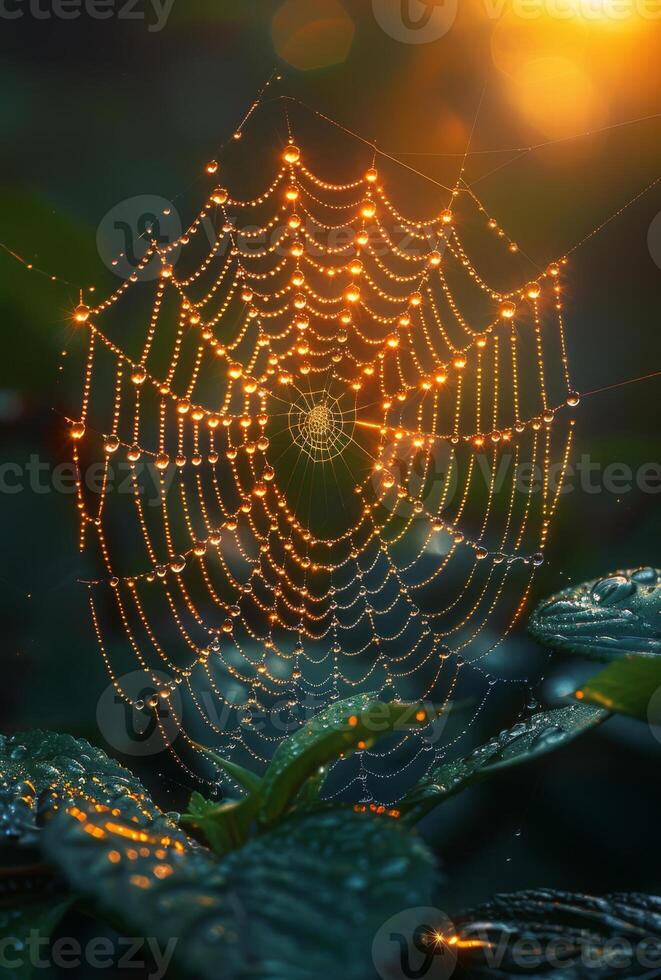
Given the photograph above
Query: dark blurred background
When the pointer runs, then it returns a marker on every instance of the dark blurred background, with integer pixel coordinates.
(97, 111)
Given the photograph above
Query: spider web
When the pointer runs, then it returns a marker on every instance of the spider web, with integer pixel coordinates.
(334, 403)
(318, 425)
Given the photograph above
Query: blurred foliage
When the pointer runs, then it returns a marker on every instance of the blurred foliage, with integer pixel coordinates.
(627, 687)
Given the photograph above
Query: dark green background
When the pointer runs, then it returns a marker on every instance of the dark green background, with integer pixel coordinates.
(93, 112)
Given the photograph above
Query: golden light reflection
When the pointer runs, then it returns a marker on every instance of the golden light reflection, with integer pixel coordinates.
(573, 66)
(515, 41)
(612, 11)
(456, 942)
(558, 97)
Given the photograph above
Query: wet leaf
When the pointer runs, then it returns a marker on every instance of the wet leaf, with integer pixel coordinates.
(223, 826)
(562, 935)
(19, 928)
(199, 806)
(308, 893)
(309, 795)
(248, 780)
(605, 619)
(40, 770)
(535, 736)
(296, 774)
(350, 724)
(626, 686)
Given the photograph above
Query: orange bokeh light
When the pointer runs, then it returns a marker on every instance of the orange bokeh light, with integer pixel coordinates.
(557, 97)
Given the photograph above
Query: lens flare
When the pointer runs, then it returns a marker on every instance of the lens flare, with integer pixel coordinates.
(557, 97)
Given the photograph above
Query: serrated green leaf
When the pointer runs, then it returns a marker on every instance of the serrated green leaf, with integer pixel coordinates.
(543, 732)
(341, 728)
(562, 935)
(308, 893)
(626, 686)
(19, 928)
(605, 619)
(199, 806)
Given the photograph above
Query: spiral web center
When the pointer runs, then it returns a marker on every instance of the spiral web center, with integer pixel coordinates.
(319, 423)
(258, 575)
(319, 426)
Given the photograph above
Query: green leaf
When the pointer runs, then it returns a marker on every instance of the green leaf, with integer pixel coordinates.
(345, 726)
(300, 901)
(626, 686)
(535, 736)
(605, 619)
(250, 781)
(41, 770)
(297, 771)
(223, 826)
(199, 806)
(587, 935)
(19, 928)
(309, 795)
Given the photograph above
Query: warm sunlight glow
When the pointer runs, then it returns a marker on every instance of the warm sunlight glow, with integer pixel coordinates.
(615, 11)
(557, 97)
